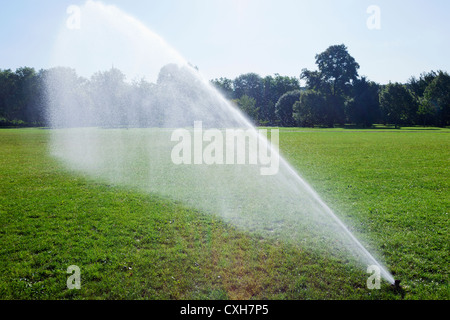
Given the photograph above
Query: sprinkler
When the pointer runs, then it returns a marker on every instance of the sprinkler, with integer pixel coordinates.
(397, 288)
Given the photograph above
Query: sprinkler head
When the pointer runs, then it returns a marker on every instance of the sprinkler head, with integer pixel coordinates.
(396, 284)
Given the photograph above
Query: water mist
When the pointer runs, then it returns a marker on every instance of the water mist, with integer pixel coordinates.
(124, 135)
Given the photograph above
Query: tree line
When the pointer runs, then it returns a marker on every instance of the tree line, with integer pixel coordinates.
(334, 94)
(21, 99)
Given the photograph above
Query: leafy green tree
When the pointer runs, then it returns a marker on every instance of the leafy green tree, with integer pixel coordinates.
(397, 104)
(337, 72)
(310, 109)
(363, 107)
(250, 84)
(437, 96)
(338, 68)
(426, 112)
(284, 108)
(314, 81)
(109, 93)
(335, 110)
(225, 86)
(20, 102)
(418, 86)
(248, 107)
(27, 95)
(274, 87)
(8, 82)
(67, 98)
(142, 102)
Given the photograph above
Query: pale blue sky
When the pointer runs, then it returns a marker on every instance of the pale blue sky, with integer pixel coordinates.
(231, 37)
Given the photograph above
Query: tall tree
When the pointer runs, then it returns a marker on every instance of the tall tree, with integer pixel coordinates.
(337, 71)
(338, 68)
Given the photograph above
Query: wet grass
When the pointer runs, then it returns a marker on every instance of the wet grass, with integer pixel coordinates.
(390, 186)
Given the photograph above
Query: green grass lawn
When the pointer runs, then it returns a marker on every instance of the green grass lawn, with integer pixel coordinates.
(391, 186)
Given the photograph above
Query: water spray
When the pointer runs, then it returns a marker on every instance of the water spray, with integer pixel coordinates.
(282, 205)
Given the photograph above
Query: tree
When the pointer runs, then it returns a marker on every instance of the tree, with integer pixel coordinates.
(284, 108)
(28, 96)
(183, 98)
(310, 109)
(142, 102)
(20, 99)
(250, 84)
(248, 106)
(337, 72)
(338, 68)
(397, 104)
(274, 87)
(225, 86)
(314, 81)
(363, 107)
(8, 82)
(418, 86)
(426, 113)
(437, 95)
(109, 92)
(67, 98)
